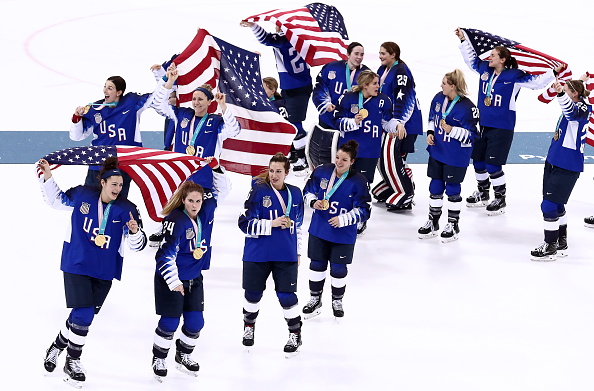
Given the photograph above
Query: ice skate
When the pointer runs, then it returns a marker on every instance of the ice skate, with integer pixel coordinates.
(478, 199)
(75, 373)
(589, 222)
(155, 239)
(361, 227)
(451, 231)
(546, 252)
(51, 357)
(497, 206)
(300, 167)
(562, 247)
(429, 230)
(400, 208)
(312, 308)
(248, 336)
(292, 346)
(185, 364)
(159, 369)
(337, 308)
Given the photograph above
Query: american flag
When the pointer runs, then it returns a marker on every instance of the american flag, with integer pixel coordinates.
(317, 31)
(590, 87)
(264, 132)
(157, 173)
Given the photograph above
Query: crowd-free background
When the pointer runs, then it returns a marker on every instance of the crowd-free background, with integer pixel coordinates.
(475, 314)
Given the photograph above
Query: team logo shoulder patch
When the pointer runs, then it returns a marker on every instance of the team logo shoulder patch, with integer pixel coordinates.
(189, 233)
(266, 202)
(354, 108)
(332, 75)
(184, 123)
(98, 118)
(85, 208)
(437, 107)
(485, 76)
(324, 183)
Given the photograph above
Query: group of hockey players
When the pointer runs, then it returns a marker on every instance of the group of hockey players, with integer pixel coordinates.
(378, 118)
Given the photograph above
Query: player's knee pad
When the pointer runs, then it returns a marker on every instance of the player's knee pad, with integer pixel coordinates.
(436, 186)
(494, 171)
(338, 270)
(253, 296)
(453, 191)
(82, 316)
(193, 322)
(479, 166)
(287, 299)
(318, 266)
(168, 324)
(549, 209)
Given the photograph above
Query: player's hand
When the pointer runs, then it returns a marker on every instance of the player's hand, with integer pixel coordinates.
(558, 87)
(401, 131)
(358, 119)
(132, 225)
(220, 98)
(330, 108)
(334, 222)
(45, 167)
(79, 111)
(278, 222)
(245, 23)
(155, 67)
(179, 288)
(172, 73)
(430, 139)
(460, 34)
(447, 128)
(318, 205)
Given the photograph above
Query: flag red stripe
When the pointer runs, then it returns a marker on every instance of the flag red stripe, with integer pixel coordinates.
(267, 127)
(255, 147)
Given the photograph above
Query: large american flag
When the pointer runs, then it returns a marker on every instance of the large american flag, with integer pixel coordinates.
(590, 87)
(157, 173)
(317, 31)
(236, 72)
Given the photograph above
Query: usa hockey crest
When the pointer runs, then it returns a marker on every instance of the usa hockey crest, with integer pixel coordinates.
(354, 108)
(85, 208)
(485, 76)
(437, 107)
(332, 75)
(98, 118)
(324, 183)
(189, 233)
(184, 123)
(266, 202)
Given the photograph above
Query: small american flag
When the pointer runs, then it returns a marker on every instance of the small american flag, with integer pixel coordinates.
(317, 31)
(264, 132)
(157, 173)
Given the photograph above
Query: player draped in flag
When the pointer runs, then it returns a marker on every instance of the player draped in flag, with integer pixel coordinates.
(272, 220)
(113, 120)
(92, 256)
(197, 132)
(396, 80)
(334, 79)
(500, 83)
(271, 88)
(340, 198)
(564, 163)
(452, 127)
(185, 251)
(295, 83)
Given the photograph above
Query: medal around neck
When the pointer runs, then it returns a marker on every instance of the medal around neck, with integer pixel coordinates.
(487, 101)
(442, 123)
(86, 109)
(100, 240)
(190, 150)
(363, 113)
(325, 205)
(198, 253)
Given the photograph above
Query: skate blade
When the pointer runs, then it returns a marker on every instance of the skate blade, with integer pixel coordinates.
(337, 319)
(312, 315)
(548, 258)
(185, 370)
(562, 253)
(481, 204)
(588, 225)
(496, 212)
(154, 244)
(73, 383)
(428, 236)
(159, 378)
(448, 240)
(301, 173)
(289, 355)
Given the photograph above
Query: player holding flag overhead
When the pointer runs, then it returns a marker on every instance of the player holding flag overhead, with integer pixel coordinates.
(500, 83)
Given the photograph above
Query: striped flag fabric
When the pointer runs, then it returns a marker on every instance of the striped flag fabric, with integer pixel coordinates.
(157, 173)
(236, 73)
(549, 94)
(590, 87)
(317, 31)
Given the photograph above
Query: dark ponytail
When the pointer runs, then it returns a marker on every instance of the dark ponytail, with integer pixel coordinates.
(351, 147)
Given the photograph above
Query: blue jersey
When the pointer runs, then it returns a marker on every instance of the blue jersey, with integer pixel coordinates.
(175, 259)
(501, 113)
(332, 82)
(368, 133)
(350, 202)
(279, 105)
(567, 147)
(209, 141)
(293, 71)
(453, 148)
(117, 125)
(399, 85)
(80, 254)
(263, 243)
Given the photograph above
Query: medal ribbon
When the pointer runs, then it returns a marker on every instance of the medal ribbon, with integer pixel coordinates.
(450, 107)
(335, 187)
(491, 82)
(360, 100)
(198, 128)
(112, 104)
(103, 215)
(286, 209)
(349, 77)
(385, 74)
(198, 228)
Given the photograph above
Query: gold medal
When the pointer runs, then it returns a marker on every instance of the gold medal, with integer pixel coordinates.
(198, 253)
(190, 150)
(556, 136)
(325, 204)
(86, 109)
(487, 101)
(364, 113)
(100, 240)
(442, 123)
